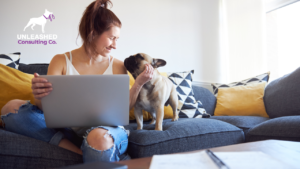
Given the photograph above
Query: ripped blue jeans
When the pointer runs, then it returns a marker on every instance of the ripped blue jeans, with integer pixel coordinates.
(29, 121)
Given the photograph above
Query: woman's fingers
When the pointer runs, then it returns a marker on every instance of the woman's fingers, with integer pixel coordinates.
(38, 80)
(39, 96)
(40, 86)
(147, 68)
(36, 74)
(41, 90)
(146, 75)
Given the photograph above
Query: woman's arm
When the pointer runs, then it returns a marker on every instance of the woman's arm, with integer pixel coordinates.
(143, 78)
(40, 86)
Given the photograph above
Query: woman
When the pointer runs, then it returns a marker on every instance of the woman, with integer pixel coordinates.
(99, 29)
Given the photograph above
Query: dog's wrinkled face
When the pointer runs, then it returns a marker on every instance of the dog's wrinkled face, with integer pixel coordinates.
(135, 64)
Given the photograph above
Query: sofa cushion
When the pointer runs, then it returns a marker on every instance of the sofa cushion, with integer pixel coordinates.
(207, 99)
(242, 122)
(39, 68)
(180, 136)
(241, 101)
(282, 96)
(282, 128)
(18, 151)
(188, 106)
(11, 60)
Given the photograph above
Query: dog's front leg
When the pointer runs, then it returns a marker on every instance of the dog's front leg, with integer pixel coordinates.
(159, 117)
(173, 100)
(138, 113)
(153, 114)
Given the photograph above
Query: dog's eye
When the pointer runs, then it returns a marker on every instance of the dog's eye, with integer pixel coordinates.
(139, 56)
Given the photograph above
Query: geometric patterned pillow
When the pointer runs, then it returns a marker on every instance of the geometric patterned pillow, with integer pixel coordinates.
(188, 107)
(11, 60)
(257, 79)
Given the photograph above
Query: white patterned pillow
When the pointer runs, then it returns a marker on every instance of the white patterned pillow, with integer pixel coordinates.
(188, 107)
(257, 79)
(11, 60)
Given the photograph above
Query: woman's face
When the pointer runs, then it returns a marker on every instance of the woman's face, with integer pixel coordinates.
(108, 41)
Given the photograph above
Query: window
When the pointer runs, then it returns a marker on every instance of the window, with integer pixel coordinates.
(283, 40)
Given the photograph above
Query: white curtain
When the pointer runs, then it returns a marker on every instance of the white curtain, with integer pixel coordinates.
(242, 30)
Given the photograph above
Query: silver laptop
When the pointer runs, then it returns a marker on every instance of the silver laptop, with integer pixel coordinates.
(86, 101)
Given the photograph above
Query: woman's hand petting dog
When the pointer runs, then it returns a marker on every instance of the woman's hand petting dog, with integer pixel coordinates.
(145, 76)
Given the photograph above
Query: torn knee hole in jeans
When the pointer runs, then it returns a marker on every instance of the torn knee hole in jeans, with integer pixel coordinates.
(106, 135)
(16, 112)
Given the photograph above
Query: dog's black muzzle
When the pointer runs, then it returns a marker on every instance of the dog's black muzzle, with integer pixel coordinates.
(130, 64)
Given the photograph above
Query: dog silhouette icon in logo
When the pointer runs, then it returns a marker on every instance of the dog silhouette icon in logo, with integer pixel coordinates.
(42, 20)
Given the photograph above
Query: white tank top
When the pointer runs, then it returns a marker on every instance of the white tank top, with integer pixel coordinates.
(72, 71)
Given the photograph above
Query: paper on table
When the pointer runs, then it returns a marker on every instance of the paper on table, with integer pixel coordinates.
(234, 160)
(190, 161)
(250, 159)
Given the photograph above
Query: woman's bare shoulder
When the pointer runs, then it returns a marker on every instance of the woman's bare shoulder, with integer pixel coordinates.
(57, 65)
(119, 67)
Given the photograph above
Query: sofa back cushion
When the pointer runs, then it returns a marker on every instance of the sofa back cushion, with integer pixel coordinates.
(282, 96)
(206, 97)
(39, 68)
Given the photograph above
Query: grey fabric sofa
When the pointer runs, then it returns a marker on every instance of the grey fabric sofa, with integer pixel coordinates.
(17, 151)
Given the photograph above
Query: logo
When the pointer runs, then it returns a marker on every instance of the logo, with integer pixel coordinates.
(42, 20)
(38, 38)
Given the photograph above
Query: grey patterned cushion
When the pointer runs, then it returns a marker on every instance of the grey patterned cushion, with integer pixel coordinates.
(188, 106)
(11, 59)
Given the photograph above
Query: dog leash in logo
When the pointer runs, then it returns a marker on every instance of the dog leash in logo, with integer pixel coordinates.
(51, 16)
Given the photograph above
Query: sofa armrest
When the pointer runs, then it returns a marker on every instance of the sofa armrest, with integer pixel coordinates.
(206, 97)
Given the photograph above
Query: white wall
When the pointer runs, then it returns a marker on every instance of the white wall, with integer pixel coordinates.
(184, 33)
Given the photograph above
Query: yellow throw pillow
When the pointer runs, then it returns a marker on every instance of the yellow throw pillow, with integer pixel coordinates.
(168, 112)
(241, 101)
(14, 85)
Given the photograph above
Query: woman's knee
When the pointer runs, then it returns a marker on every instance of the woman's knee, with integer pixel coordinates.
(100, 139)
(12, 106)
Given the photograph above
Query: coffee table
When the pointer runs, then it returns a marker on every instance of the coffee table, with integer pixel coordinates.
(286, 151)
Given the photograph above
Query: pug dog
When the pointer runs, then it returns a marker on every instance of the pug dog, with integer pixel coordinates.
(155, 94)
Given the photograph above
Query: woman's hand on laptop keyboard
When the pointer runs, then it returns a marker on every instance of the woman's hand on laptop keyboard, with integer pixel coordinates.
(40, 86)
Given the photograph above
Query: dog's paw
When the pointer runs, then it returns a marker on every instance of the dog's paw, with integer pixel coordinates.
(175, 119)
(153, 122)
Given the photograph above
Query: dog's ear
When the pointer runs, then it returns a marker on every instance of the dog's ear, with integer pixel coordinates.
(158, 63)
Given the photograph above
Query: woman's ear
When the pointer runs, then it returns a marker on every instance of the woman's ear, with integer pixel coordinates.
(158, 63)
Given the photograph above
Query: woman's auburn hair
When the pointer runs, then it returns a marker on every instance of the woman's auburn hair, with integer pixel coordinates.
(96, 19)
